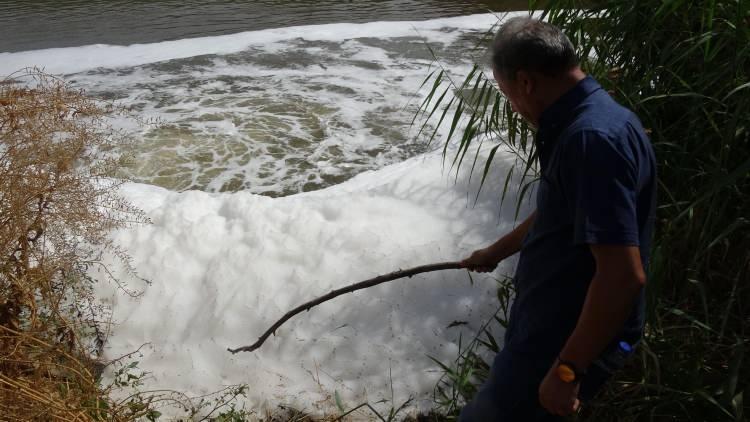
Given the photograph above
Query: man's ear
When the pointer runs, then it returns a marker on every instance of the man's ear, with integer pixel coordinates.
(526, 81)
(495, 74)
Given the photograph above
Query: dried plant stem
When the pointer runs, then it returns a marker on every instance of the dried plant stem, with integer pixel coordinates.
(348, 289)
(56, 214)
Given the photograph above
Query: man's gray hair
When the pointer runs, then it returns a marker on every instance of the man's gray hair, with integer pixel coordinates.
(532, 45)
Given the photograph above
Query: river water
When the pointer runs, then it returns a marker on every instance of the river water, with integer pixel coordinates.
(30, 25)
(272, 97)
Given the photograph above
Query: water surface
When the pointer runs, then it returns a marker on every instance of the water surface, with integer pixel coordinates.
(297, 106)
(36, 24)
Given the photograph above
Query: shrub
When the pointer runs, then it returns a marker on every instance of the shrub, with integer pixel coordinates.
(56, 209)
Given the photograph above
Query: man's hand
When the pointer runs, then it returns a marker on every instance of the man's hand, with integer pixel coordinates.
(486, 260)
(617, 282)
(558, 397)
(482, 261)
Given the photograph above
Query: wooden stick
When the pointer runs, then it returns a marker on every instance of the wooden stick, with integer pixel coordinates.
(348, 289)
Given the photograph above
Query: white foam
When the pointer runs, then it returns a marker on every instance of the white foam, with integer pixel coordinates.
(277, 111)
(226, 266)
(76, 59)
(329, 110)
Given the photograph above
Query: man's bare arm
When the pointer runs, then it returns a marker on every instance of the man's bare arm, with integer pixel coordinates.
(486, 259)
(618, 279)
(617, 282)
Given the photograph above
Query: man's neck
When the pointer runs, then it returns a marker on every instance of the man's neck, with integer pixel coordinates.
(554, 88)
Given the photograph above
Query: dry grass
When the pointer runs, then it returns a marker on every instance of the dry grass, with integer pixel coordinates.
(56, 209)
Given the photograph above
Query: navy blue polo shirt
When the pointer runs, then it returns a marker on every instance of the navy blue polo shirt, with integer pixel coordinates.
(597, 186)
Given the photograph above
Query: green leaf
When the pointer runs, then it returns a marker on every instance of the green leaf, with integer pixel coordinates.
(735, 366)
(153, 415)
(456, 117)
(713, 401)
(738, 407)
(690, 318)
(337, 398)
(437, 104)
(426, 101)
(736, 90)
(440, 122)
(678, 95)
(486, 170)
(522, 195)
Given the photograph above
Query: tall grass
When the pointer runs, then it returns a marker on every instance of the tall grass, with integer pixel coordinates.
(461, 378)
(683, 67)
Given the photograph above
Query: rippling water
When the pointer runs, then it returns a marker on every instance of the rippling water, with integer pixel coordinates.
(27, 25)
(276, 111)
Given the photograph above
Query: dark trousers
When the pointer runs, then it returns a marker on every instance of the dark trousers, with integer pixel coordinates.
(511, 392)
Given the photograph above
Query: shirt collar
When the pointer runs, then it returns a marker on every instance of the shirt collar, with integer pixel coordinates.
(557, 112)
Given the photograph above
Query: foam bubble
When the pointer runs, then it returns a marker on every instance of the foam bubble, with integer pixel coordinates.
(226, 266)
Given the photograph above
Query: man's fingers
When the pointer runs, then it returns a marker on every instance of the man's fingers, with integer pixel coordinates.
(563, 410)
(559, 408)
(566, 409)
(544, 404)
(477, 268)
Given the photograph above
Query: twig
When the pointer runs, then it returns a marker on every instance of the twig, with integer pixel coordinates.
(348, 289)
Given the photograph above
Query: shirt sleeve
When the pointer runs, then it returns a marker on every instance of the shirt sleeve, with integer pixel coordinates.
(600, 184)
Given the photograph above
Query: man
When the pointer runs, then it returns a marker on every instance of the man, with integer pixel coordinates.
(584, 250)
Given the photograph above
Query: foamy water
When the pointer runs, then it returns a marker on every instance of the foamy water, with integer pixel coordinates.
(274, 112)
(225, 266)
(278, 112)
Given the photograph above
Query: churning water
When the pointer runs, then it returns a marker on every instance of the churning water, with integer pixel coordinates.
(272, 111)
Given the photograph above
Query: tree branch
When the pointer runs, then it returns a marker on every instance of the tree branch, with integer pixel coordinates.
(348, 289)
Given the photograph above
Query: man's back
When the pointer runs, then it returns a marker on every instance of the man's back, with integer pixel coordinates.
(598, 179)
